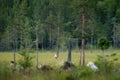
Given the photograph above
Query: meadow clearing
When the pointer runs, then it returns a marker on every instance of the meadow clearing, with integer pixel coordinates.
(47, 57)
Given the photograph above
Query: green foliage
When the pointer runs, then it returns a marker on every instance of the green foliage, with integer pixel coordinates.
(84, 71)
(70, 77)
(106, 64)
(26, 61)
(5, 72)
(80, 72)
(22, 16)
(103, 43)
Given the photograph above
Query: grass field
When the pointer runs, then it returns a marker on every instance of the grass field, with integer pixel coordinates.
(47, 57)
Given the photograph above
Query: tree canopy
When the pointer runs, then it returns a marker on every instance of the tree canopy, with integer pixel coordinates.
(56, 21)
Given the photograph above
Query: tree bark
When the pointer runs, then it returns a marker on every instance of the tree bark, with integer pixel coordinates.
(37, 46)
(92, 41)
(114, 35)
(50, 45)
(15, 47)
(83, 40)
(58, 33)
(69, 50)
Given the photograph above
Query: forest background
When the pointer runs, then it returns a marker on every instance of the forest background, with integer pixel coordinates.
(51, 23)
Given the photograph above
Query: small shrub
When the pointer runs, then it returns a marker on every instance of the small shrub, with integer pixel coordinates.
(4, 71)
(83, 71)
(70, 77)
(26, 61)
(103, 43)
(106, 64)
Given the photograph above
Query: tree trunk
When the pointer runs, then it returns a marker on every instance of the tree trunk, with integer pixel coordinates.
(91, 41)
(50, 45)
(83, 40)
(14, 56)
(103, 56)
(21, 40)
(15, 47)
(42, 43)
(114, 35)
(8, 41)
(36, 46)
(58, 35)
(69, 50)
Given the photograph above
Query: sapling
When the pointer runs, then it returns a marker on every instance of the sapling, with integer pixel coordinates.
(103, 44)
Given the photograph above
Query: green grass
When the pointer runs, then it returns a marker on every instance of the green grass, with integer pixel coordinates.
(47, 57)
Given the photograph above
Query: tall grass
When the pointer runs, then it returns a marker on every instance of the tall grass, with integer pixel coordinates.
(47, 57)
(81, 73)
